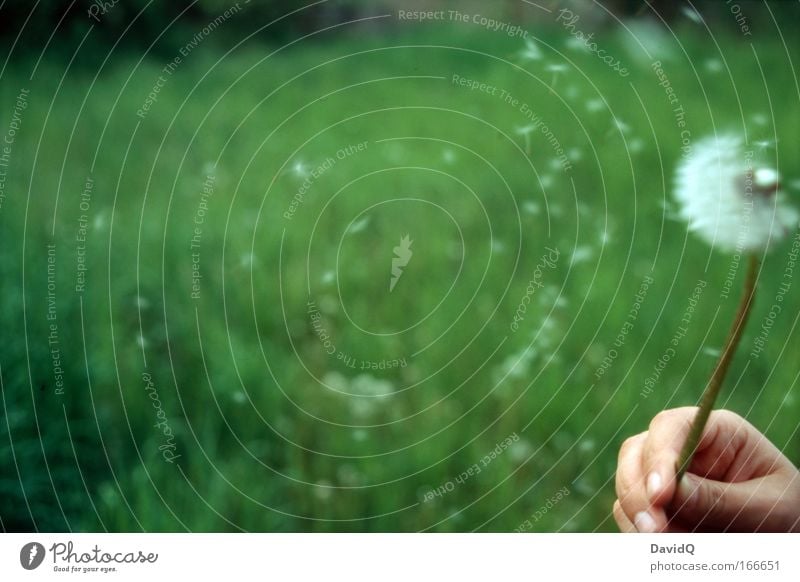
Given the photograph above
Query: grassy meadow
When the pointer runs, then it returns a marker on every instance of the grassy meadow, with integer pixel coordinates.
(234, 358)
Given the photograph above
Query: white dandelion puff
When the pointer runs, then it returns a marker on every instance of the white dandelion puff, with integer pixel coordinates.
(730, 202)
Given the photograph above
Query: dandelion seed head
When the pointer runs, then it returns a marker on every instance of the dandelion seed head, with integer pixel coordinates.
(729, 199)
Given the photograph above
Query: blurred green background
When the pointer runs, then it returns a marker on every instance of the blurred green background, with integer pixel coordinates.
(256, 425)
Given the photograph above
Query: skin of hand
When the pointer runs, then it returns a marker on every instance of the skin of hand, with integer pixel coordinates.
(737, 481)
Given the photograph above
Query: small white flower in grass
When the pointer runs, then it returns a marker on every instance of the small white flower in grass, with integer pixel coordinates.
(730, 202)
(358, 225)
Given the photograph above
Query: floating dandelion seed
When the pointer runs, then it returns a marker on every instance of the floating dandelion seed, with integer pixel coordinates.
(621, 125)
(449, 156)
(594, 105)
(556, 69)
(525, 131)
(760, 119)
(713, 352)
(247, 259)
(531, 207)
(358, 225)
(141, 341)
(636, 145)
(713, 65)
(581, 254)
(736, 207)
(328, 277)
(323, 490)
(239, 397)
(520, 450)
(99, 221)
(546, 180)
(531, 52)
(299, 169)
(572, 92)
(692, 14)
(142, 302)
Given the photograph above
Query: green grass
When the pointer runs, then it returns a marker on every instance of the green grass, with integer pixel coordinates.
(256, 431)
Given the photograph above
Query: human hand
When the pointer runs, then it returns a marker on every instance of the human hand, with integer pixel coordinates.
(737, 481)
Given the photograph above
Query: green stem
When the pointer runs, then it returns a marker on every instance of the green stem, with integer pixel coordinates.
(715, 383)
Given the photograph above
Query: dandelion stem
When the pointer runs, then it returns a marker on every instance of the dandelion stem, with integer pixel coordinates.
(715, 383)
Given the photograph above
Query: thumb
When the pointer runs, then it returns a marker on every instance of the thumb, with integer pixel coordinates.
(717, 506)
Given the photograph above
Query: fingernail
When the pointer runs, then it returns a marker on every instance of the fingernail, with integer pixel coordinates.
(687, 488)
(653, 484)
(644, 523)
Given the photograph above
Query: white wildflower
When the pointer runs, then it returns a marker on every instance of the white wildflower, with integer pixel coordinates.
(728, 200)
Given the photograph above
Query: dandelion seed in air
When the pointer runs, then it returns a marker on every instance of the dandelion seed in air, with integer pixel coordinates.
(525, 131)
(692, 14)
(359, 225)
(531, 52)
(556, 69)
